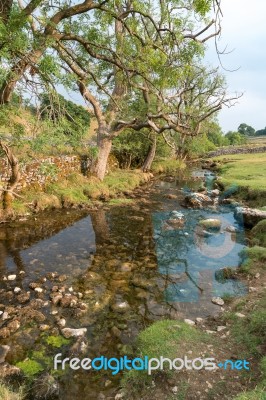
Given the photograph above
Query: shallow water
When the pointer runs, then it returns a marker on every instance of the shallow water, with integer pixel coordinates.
(121, 255)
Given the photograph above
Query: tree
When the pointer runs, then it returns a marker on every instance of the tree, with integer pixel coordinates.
(235, 138)
(261, 132)
(146, 75)
(246, 130)
(115, 44)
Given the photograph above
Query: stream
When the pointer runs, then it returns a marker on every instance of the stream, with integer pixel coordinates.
(124, 268)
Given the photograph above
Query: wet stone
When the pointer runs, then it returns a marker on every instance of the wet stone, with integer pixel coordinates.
(23, 297)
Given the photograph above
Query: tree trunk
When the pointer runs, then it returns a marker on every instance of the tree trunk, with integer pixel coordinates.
(150, 156)
(13, 180)
(99, 169)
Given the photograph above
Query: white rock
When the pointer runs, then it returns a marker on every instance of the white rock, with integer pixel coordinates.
(257, 275)
(189, 322)
(252, 289)
(38, 290)
(119, 396)
(239, 315)
(44, 327)
(11, 277)
(62, 322)
(17, 290)
(175, 389)
(210, 332)
(218, 301)
(69, 332)
(5, 316)
(199, 320)
(221, 328)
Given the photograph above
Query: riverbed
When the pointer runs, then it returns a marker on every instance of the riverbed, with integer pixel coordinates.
(122, 269)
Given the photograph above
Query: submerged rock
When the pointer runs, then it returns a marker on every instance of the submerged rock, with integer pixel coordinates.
(122, 306)
(69, 332)
(210, 223)
(23, 297)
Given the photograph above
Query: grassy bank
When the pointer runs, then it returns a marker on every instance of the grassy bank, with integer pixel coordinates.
(77, 189)
(247, 172)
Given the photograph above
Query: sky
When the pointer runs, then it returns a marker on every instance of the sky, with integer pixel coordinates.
(243, 32)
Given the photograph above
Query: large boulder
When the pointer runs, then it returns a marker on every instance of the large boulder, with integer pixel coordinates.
(249, 216)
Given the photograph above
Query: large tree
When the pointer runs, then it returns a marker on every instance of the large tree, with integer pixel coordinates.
(119, 54)
(140, 61)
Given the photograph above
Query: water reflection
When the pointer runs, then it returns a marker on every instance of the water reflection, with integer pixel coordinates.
(188, 251)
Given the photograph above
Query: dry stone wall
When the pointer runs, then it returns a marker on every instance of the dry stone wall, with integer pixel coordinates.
(236, 150)
(39, 172)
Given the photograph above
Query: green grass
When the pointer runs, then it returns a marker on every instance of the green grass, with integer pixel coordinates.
(259, 234)
(6, 393)
(77, 189)
(167, 338)
(167, 166)
(253, 260)
(257, 394)
(249, 332)
(248, 172)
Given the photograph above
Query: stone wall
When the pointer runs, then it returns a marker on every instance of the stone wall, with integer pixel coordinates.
(40, 172)
(236, 150)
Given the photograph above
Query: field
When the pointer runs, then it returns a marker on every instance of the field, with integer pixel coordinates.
(244, 170)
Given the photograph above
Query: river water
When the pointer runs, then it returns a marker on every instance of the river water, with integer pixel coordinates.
(127, 269)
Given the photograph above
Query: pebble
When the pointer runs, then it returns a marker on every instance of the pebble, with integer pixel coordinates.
(62, 322)
(257, 275)
(11, 277)
(38, 290)
(13, 326)
(189, 322)
(5, 316)
(17, 290)
(44, 327)
(218, 301)
(239, 315)
(4, 349)
(220, 328)
(252, 289)
(69, 332)
(199, 320)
